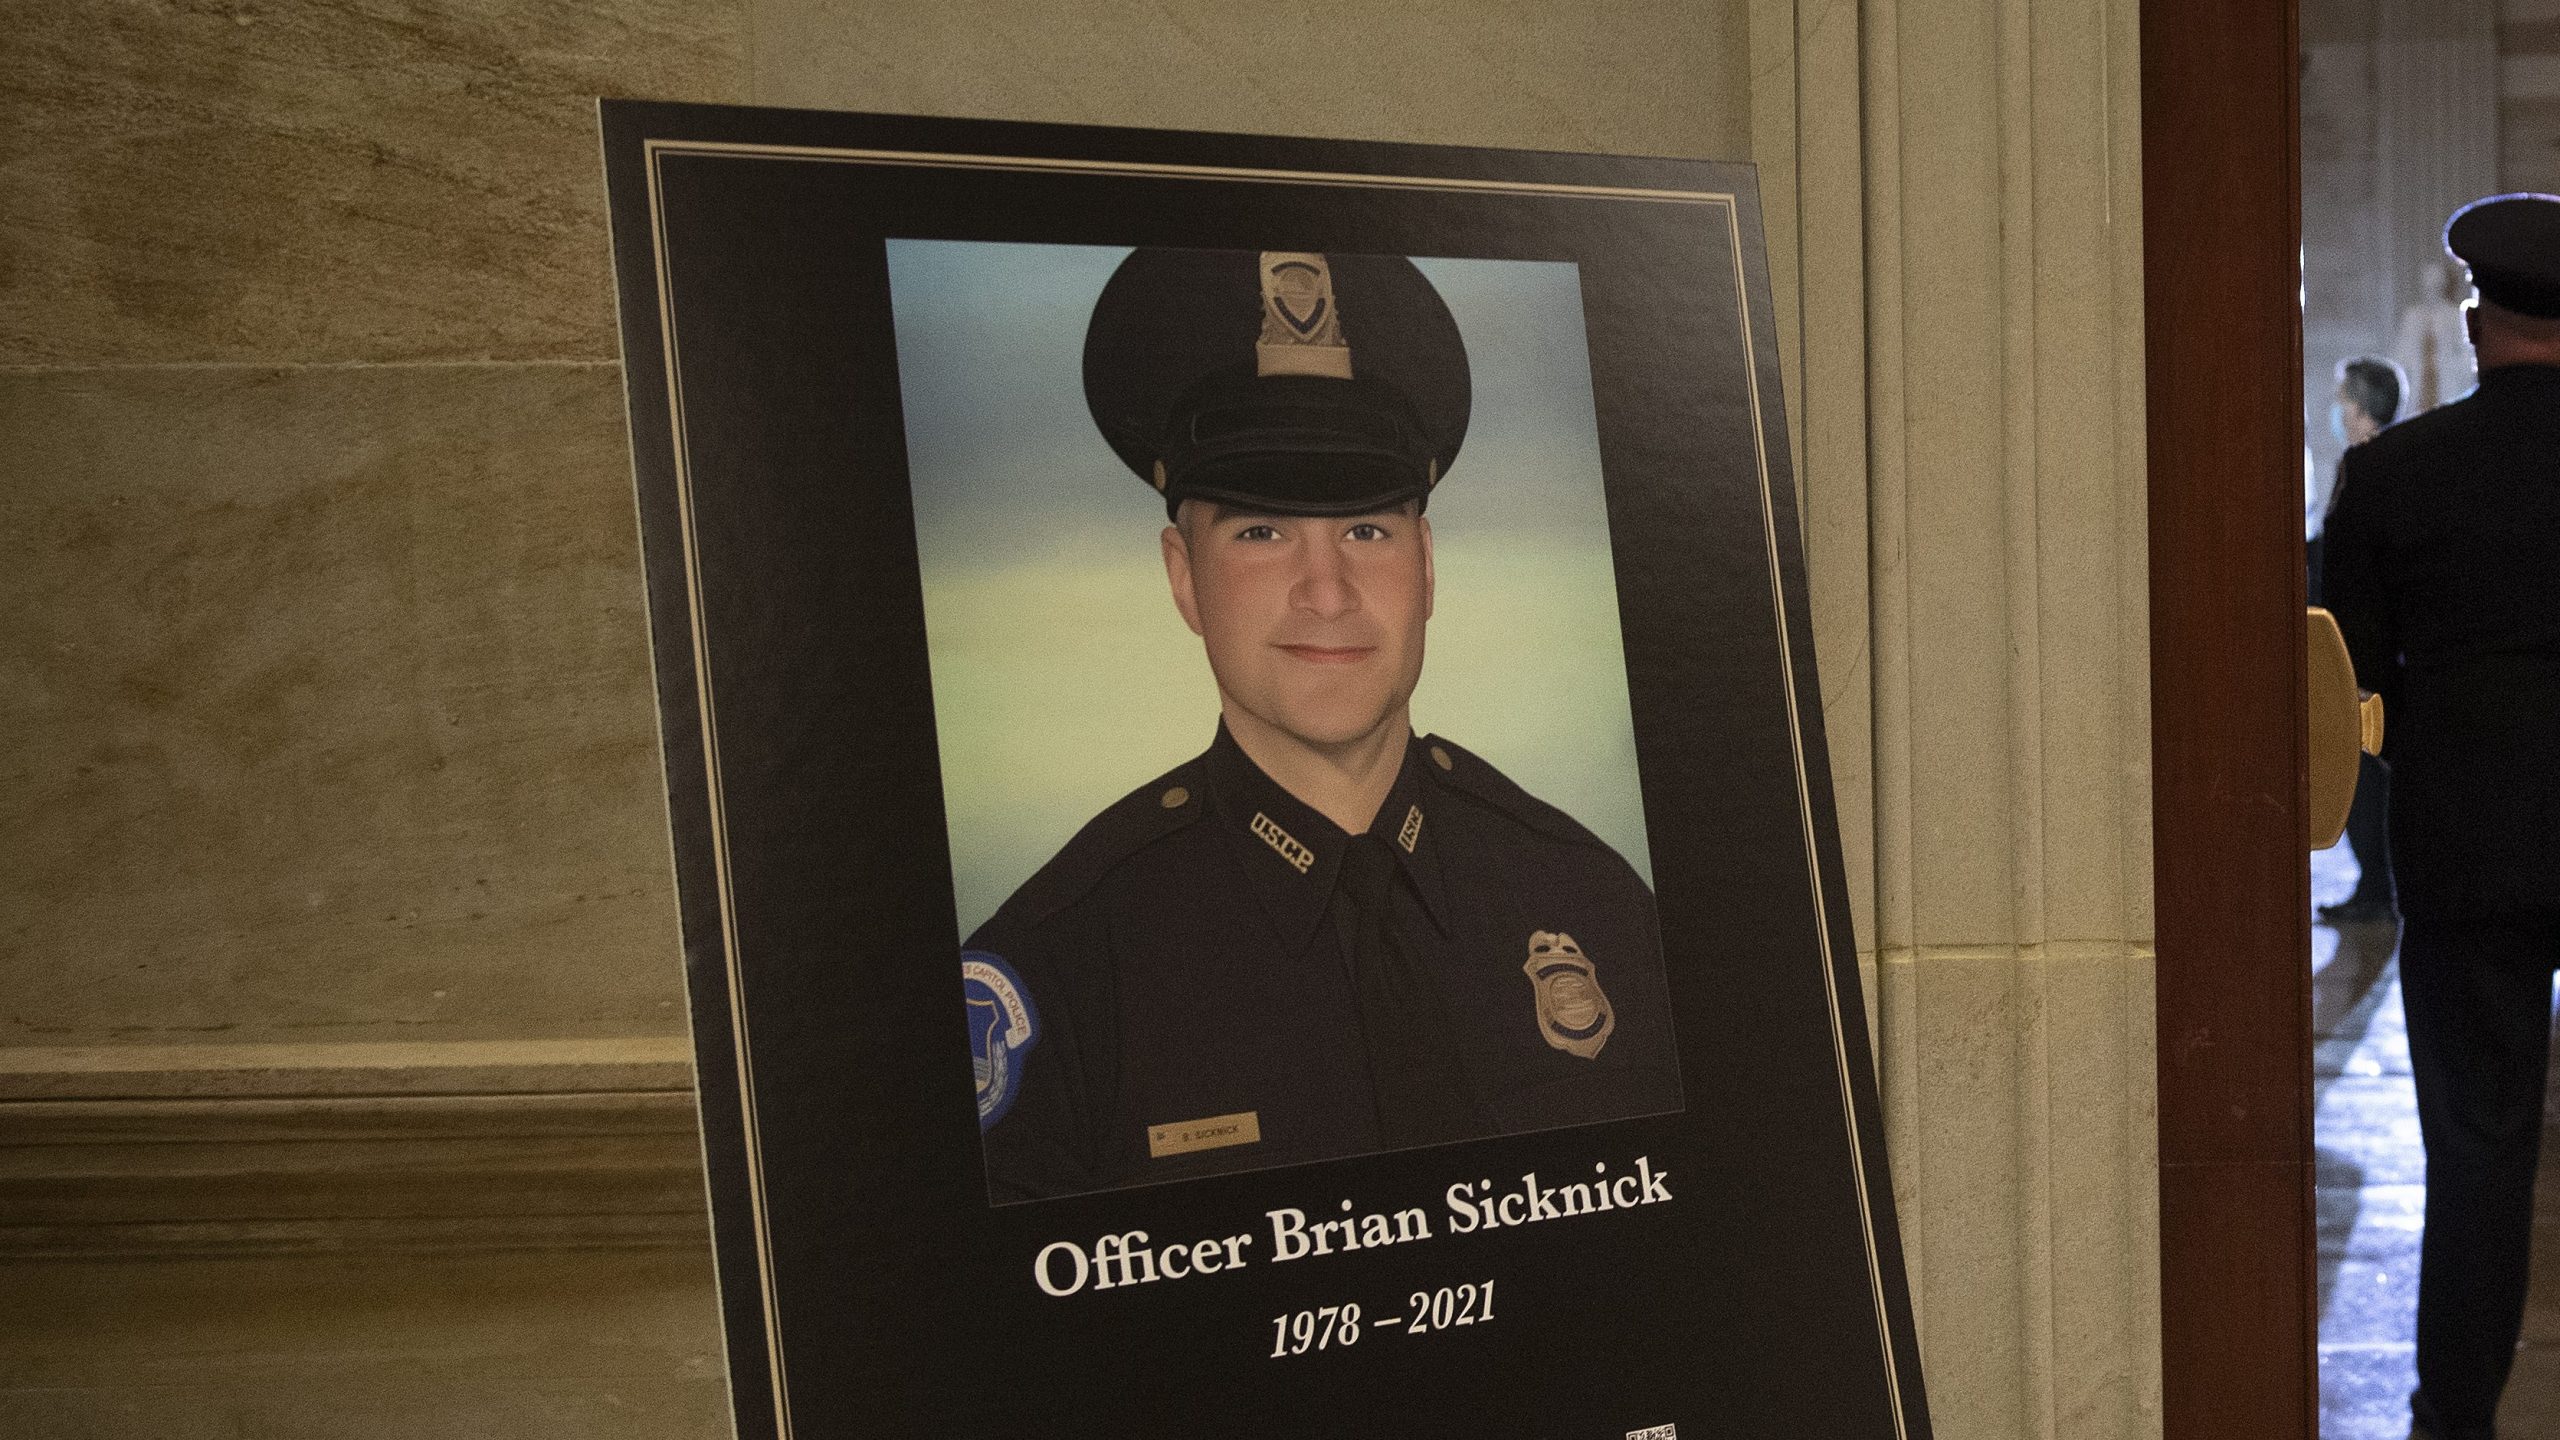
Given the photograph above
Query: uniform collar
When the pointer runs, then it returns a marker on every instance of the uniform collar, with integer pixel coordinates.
(1291, 854)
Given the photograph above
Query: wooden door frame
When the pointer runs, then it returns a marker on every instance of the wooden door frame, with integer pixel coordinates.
(2222, 197)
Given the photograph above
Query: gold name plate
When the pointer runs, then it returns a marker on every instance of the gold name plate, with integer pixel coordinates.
(1215, 1133)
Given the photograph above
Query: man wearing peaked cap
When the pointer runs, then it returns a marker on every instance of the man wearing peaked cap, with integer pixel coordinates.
(1260, 400)
(1323, 936)
(2443, 541)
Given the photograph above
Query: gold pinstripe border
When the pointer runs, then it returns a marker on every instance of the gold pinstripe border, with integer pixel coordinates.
(718, 806)
(654, 150)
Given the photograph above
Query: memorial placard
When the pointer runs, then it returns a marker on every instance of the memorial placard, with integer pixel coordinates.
(1247, 788)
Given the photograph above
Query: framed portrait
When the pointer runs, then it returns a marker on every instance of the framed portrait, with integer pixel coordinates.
(1247, 787)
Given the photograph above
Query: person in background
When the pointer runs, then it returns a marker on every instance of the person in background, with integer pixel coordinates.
(2368, 399)
(2443, 542)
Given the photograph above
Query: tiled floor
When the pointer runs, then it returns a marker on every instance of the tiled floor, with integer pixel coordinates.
(2372, 1177)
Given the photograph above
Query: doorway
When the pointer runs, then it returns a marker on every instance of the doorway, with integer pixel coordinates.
(2407, 112)
(2245, 1277)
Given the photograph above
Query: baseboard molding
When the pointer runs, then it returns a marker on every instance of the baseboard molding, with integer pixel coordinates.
(435, 1067)
(266, 1149)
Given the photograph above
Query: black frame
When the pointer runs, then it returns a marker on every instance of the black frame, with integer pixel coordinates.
(867, 1285)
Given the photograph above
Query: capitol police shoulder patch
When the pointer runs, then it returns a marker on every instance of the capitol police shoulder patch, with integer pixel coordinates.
(1003, 1026)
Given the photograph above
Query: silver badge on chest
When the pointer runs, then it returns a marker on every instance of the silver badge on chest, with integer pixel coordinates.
(1573, 1011)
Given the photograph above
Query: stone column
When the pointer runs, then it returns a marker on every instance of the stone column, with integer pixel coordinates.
(1961, 184)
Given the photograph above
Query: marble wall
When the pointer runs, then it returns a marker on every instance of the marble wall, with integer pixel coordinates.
(324, 678)
(342, 1081)
(2529, 95)
(343, 1088)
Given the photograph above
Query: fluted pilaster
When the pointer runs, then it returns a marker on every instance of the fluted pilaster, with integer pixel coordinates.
(1954, 194)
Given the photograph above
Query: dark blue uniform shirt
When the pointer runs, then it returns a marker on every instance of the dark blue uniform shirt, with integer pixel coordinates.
(1180, 990)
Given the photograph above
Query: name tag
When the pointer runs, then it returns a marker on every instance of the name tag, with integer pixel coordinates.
(1215, 1133)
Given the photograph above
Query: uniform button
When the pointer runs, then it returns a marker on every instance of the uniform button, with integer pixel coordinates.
(1441, 758)
(1175, 798)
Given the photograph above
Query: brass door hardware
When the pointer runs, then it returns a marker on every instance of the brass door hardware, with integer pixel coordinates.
(2343, 725)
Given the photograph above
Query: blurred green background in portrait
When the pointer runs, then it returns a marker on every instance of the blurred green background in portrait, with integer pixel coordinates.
(1063, 678)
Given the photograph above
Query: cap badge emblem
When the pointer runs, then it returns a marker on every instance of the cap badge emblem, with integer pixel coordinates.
(1573, 1011)
(1301, 325)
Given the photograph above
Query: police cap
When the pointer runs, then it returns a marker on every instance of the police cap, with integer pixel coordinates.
(1284, 381)
(2512, 244)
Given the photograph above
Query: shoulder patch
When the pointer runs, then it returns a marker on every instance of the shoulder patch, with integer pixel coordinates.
(1003, 1026)
(1130, 824)
(1470, 774)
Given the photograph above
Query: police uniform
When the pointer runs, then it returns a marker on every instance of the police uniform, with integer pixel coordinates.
(1212, 975)
(2444, 541)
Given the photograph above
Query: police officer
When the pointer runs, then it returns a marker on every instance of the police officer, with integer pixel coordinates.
(2444, 541)
(1324, 935)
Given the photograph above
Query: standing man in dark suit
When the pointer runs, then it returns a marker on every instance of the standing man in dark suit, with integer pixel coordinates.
(2443, 568)
(2367, 401)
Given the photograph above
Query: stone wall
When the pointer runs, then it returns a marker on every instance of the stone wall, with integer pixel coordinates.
(2529, 95)
(2350, 302)
(343, 1083)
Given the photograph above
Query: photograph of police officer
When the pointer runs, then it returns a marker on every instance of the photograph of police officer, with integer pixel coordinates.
(1323, 935)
